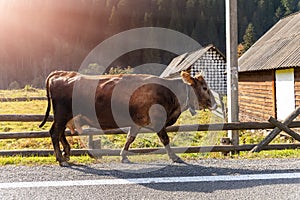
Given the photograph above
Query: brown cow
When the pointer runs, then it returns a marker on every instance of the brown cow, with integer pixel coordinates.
(113, 101)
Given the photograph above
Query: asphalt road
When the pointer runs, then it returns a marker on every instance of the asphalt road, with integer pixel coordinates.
(203, 179)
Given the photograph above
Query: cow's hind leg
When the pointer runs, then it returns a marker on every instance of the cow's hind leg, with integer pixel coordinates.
(66, 146)
(130, 138)
(55, 133)
(164, 138)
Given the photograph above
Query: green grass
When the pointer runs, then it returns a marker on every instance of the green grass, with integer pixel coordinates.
(23, 107)
(26, 92)
(35, 160)
(117, 141)
(287, 153)
(85, 159)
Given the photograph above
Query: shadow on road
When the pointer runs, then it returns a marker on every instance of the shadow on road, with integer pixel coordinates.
(135, 170)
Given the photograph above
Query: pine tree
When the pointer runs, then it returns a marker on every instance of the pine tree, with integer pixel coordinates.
(290, 6)
(279, 13)
(190, 13)
(249, 37)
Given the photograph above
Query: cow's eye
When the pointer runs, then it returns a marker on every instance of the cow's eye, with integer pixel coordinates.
(204, 88)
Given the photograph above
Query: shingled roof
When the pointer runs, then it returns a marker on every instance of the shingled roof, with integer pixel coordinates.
(186, 60)
(208, 60)
(278, 48)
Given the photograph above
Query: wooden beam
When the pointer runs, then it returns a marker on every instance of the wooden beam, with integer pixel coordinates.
(22, 99)
(24, 118)
(285, 128)
(276, 131)
(183, 128)
(116, 152)
(232, 66)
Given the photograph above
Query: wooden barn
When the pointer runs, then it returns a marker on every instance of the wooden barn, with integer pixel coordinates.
(269, 73)
(208, 60)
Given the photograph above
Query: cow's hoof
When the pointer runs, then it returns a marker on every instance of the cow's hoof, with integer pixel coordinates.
(125, 161)
(178, 160)
(64, 164)
(66, 157)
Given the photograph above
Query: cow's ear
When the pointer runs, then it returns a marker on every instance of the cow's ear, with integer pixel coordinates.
(186, 77)
(200, 77)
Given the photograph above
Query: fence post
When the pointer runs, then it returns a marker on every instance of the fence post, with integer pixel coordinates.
(225, 141)
(91, 142)
(94, 144)
(97, 145)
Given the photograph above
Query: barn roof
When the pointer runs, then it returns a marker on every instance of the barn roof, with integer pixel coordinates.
(186, 60)
(278, 48)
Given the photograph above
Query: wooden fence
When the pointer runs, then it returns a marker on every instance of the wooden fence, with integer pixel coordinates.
(22, 99)
(272, 124)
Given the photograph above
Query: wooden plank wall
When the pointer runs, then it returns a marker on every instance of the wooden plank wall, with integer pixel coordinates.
(256, 95)
(297, 87)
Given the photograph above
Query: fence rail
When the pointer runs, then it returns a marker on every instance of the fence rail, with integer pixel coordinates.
(193, 127)
(109, 152)
(22, 99)
(182, 128)
(24, 118)
(139, 151)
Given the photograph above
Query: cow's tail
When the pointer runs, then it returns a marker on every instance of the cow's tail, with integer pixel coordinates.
(49, 103)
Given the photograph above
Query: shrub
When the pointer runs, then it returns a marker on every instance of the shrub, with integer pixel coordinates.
(92, 69)
(38, 82)
(14, 85)
(119, 70)
(29, 88)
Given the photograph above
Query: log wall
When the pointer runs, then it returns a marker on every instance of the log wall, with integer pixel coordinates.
(297, 87)
(257, 95)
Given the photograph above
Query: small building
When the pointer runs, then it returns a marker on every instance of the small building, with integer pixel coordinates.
(208, 60)
(269, 73)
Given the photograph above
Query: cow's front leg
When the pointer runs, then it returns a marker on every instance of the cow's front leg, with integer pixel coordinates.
(55, 133)
(164, 138)
(130, 138)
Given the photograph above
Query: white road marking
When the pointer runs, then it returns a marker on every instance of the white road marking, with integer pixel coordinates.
(192, 179)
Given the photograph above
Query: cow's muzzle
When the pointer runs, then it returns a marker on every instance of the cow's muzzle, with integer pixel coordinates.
(213, 107)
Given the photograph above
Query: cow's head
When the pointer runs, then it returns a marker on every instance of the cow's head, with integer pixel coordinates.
(205, 98)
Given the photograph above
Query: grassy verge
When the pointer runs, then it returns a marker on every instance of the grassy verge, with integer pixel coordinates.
(26, 92)
(85, 159)
(50, 160)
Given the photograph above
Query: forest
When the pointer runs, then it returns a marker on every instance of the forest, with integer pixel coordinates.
(37, 37)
